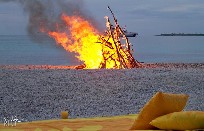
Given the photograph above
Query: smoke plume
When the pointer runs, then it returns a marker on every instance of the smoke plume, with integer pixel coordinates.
(45, 13)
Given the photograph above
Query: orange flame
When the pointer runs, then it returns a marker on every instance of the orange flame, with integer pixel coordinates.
(81, 38)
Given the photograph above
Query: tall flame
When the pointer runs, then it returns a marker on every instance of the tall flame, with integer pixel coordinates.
(81, 39)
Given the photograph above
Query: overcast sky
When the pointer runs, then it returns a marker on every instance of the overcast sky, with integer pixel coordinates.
(147, 17)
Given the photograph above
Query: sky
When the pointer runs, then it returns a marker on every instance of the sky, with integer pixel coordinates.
(146, 17)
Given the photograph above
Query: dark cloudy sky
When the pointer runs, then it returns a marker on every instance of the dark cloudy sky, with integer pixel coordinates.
(147, 17)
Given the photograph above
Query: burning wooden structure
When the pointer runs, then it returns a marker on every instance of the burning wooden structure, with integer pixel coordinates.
(119, 43)
(96, 50)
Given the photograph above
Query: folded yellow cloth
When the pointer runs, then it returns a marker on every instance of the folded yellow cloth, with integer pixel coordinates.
(160, 104)
(188, 120)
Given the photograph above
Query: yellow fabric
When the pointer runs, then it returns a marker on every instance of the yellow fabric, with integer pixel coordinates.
(116, 123)
(188, 120)
(160, 104)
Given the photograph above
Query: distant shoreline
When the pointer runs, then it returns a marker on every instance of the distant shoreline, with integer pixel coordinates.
(180, 34)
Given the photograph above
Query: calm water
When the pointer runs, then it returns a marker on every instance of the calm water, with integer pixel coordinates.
(169, 49)
(22, 50)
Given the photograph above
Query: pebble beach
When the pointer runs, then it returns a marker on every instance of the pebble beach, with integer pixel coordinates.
(41, 92)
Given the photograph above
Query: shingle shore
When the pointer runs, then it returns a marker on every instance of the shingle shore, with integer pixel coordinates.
(34, 93)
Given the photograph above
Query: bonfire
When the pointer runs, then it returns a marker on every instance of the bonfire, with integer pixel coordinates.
(96, 50)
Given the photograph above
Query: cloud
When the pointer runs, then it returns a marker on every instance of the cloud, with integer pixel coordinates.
(3, 13)
(184, 8)
(168, 9)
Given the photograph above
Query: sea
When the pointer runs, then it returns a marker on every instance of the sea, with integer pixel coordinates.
(23, 50)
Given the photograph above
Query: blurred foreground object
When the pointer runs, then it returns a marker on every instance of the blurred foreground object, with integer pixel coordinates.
(187, 120)
(64, 115)
(160, 104)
